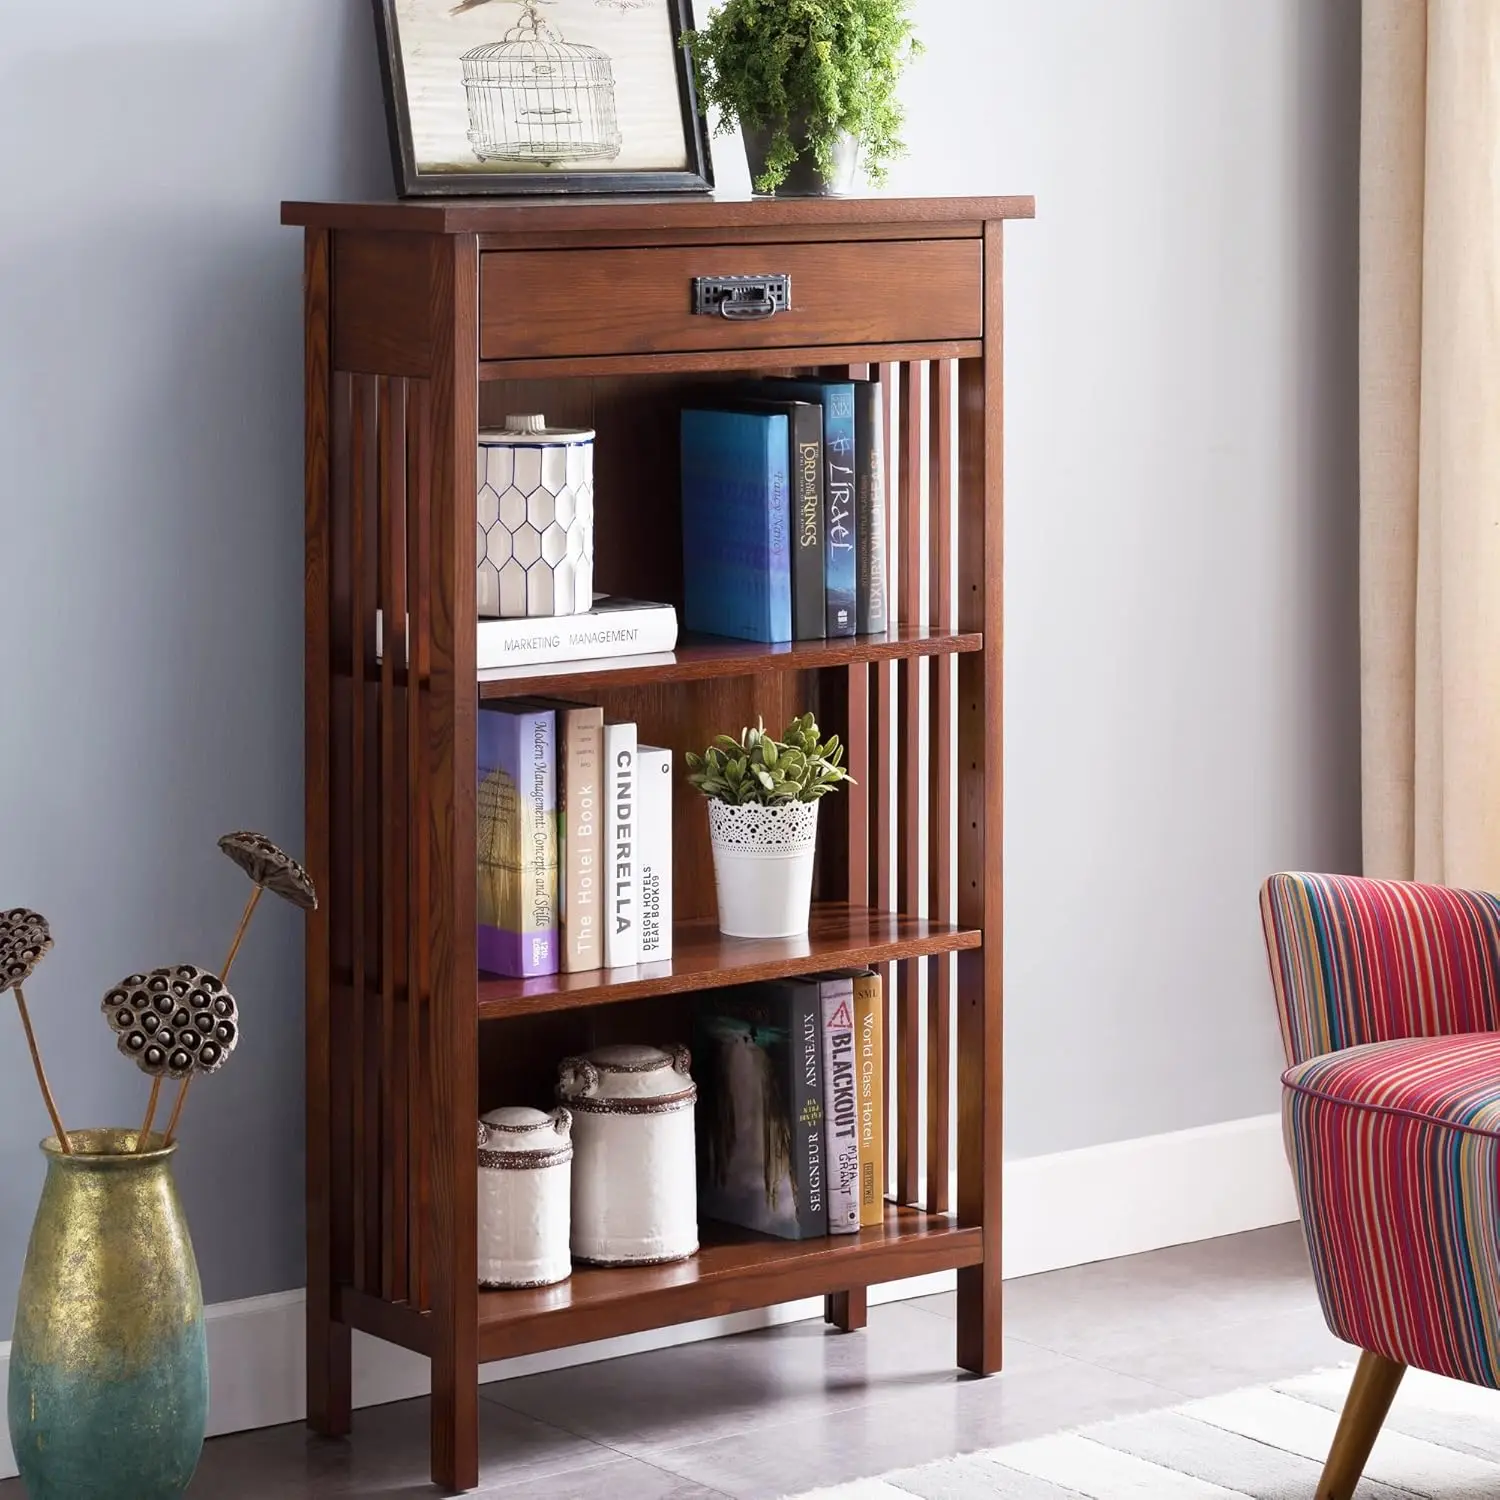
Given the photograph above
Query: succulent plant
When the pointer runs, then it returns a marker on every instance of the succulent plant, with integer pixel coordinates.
(799, 767)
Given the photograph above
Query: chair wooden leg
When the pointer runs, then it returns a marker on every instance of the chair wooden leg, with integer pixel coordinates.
(1370, 1396)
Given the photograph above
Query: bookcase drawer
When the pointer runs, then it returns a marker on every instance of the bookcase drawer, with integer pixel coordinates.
(592, 302)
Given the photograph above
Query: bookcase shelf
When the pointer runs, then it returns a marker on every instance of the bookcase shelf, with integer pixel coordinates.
(415, 339)
(734, 1270)
(702, 657)
(838, 937)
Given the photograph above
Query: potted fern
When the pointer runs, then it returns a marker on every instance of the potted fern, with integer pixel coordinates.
(812, 85)
(763, 796)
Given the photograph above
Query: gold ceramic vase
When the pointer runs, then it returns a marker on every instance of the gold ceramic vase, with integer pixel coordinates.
(108, 1366)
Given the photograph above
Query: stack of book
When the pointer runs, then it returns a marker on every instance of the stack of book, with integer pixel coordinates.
(791, 1105)
(783, 510)
(574, 841)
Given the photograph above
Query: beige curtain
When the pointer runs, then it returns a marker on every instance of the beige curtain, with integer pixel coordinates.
(1430, 439)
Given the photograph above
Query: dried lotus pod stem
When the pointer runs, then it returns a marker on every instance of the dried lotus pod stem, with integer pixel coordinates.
(256, 892)
(25, 940)
(182, 1093)
(144, 1134)
(41, 1074)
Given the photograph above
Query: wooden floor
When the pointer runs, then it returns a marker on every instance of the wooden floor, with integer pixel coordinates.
(771, 1413)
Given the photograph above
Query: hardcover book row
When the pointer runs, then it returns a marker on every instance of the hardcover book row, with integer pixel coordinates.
(783, 510)
(791, 1106)
(574, 841)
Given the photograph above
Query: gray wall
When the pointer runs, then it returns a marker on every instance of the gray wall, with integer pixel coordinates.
(1181, 698)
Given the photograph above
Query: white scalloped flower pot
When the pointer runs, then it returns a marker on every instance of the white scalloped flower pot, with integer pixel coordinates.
(763, 863)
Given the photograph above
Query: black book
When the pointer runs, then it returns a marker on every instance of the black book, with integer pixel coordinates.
(870, 479)
(758, 1058)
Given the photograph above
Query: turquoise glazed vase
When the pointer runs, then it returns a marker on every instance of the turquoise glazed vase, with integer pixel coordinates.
(108, 1362)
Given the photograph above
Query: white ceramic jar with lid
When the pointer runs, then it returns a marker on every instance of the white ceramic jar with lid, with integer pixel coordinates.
(536, 520)
(525, 1196)
(635, 1188)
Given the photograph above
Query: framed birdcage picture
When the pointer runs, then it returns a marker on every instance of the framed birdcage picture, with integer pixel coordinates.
(542, 96)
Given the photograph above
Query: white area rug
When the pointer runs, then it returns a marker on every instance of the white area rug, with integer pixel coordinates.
(1440, 1442)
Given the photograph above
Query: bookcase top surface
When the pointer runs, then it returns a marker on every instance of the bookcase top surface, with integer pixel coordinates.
(553, 215)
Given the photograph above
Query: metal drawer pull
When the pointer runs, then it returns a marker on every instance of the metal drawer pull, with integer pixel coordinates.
(742, 299)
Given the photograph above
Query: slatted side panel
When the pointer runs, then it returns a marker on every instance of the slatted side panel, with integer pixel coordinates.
(379, 795)
(901, 822)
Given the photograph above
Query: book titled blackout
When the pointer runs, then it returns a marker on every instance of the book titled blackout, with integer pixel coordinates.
(736, 524)
(517, 840)
(869, 526)
(761, 1152)
(840, 493)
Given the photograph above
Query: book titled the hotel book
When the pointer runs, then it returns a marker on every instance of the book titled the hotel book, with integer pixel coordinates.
(581, 816)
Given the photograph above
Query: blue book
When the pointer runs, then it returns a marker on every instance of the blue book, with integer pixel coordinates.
(736, 524)
(841, 555)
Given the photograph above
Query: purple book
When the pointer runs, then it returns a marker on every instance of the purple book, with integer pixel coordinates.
(517, 840)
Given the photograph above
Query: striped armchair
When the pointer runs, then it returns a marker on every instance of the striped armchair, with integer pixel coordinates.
(1389, 999)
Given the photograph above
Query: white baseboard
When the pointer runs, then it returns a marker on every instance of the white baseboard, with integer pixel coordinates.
(1061, 1210)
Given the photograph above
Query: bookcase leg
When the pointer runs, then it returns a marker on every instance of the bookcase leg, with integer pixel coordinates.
(329, 1378)
(455, 1429)
(978, 1321)
(847, 1311)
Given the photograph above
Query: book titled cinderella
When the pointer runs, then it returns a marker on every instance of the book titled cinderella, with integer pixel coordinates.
(531, 95)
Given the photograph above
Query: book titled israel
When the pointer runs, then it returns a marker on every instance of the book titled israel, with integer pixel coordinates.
(737, 524)
(653, 851)
(517, 840)
(621, 936)
(840, 494)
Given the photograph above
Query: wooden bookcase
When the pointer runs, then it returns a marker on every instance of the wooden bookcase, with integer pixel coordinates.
(425, 321)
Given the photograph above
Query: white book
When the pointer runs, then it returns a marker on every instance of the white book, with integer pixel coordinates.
(653, 851)
(613, 628)
(621, 935)
(840, 1103)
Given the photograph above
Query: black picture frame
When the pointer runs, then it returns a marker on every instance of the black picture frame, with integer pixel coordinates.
(412, 182)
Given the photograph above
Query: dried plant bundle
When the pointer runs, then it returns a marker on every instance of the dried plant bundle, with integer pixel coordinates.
(270, 868)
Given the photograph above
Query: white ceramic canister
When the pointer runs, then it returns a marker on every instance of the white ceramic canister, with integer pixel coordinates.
(635, 1179)
(536, 520)
(525, 1196)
